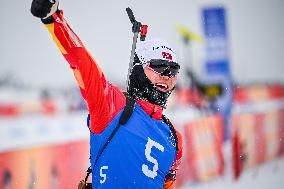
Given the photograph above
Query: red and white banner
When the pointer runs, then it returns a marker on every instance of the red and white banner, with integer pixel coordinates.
(46, 167)
(203, 148)
(256, 138)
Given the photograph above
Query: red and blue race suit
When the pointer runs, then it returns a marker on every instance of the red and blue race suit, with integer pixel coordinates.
(142, 152)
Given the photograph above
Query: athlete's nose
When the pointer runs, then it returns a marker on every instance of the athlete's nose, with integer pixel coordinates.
(165, 77)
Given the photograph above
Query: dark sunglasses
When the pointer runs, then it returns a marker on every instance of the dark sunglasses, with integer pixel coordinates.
(164, 67)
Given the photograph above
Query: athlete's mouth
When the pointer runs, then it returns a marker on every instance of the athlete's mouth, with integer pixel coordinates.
(162, 87)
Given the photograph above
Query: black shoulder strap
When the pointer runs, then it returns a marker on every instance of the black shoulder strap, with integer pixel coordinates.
(173, 130)
(128, 110)
(172, 173)
(126, 114)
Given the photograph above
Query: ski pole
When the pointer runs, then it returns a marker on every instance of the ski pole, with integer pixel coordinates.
(137, 28)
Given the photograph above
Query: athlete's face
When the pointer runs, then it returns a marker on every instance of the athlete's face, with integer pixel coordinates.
(163, 83)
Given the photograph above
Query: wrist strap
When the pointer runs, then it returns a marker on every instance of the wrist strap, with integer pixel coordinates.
(50, 19)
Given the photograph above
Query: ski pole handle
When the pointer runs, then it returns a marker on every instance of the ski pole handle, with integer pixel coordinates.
(130, 15)
(135, 24)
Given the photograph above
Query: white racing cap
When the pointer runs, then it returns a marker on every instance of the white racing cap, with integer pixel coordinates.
(154, 49)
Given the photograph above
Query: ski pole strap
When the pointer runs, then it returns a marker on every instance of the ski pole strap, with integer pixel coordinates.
(143, 32)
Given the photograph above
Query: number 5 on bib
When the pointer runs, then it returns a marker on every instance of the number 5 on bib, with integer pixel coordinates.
(150, 144)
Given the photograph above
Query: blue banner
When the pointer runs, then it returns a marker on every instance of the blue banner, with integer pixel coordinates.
(217, 69)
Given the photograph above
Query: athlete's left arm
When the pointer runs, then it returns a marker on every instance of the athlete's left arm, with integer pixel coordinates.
(171, 180)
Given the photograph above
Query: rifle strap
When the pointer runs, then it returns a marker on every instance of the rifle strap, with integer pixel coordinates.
(126, 114)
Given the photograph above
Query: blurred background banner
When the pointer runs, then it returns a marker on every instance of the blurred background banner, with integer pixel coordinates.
(217, 68)
(203, 143)
(48, 152)
(257, 127)
(46, 167)
(257, 138)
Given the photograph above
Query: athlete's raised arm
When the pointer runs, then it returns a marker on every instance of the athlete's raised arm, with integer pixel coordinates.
(102, 98)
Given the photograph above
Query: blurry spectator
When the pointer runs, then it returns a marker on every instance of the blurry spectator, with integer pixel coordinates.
(7, 180)
(48, 105)
(32, 177)
(8, 110)
(74, 100)
(54, 178)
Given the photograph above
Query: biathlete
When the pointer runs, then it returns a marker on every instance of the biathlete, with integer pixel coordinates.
(132, 144)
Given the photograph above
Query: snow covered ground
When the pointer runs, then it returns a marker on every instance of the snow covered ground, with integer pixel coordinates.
(266, 176)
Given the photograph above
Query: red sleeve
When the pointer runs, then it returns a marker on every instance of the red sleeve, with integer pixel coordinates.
(103, 99)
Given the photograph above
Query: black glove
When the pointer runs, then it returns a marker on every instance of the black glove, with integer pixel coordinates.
(44, 8)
